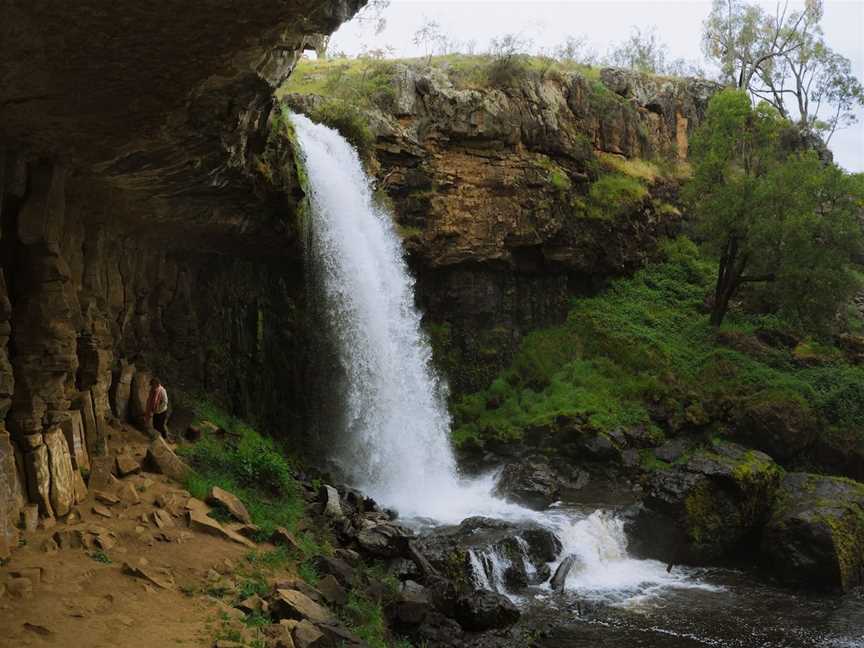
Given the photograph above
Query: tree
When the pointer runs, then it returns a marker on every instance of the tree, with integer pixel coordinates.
(641, 51)
(773, 217)
(782, 58)
(428, 36)
(577, 50)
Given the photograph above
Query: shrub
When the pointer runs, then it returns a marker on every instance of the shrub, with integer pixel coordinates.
(615, 194)
(348, 120)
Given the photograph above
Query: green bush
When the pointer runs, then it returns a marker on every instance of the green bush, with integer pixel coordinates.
(615, 194)
(348, 120)
(248, 465)
(646, 341)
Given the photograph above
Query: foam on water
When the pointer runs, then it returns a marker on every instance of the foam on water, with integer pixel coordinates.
(395, 441)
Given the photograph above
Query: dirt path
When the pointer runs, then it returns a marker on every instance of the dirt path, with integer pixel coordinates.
(79, 599)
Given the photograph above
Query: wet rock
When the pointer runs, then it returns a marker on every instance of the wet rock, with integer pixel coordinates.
(485, 610)
(160, 458)
(699, 509)
(230, 502)
(533, 483)
(291, 604)
(386, 540)
(567, 565)
(815, 537)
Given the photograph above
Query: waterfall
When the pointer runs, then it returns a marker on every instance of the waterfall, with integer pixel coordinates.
(394, 442)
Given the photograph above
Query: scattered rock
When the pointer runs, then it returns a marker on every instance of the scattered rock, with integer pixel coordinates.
(412, 605)
(127, 465)
(128, 494)
(230, 502)
(101, 471)
(291, 604)
(35, 628)
(161, 459)
(20, 587)
(306, 635)
(148, 574)
(162, 519)
(106, 498)
(332, 591)
(340, 569)
(253, 604)
(338, 636)
(203, 523)
(282, 537)
(102, 511)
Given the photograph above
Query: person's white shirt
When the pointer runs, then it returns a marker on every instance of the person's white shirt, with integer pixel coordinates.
(161, 400)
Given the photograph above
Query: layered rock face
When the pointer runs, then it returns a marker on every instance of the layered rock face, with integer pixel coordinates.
(147, 223)
(491, 191)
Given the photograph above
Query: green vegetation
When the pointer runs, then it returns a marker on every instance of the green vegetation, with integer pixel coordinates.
(642, 350)
(614, 195)
(348, 120)
(773, 216)
(248, 465)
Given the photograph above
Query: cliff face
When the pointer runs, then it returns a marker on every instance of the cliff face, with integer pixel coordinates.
(141, 222)
(514, 194)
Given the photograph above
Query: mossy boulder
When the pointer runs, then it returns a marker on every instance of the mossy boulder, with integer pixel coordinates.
(815, 537)
(778, 422)
(840, 452)
(703, 507)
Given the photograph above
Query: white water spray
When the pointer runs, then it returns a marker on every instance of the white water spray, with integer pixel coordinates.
(396, 427)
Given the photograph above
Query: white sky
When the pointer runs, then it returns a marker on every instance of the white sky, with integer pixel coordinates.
(604, 22)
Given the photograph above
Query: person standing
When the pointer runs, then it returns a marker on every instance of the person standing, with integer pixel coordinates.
(157, 407)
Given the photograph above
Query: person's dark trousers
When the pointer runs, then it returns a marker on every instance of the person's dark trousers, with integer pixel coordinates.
(159, 424)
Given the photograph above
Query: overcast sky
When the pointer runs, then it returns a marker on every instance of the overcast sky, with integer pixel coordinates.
(603, 22)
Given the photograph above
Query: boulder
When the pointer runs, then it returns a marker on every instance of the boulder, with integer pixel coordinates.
(559, 580)
(338, 568)
(161, 459)
(337, 635)
(127, 465)
(386, 540)
(815, 537)
(230, 502)
(532, 483)
(332, 591)
(485, 610)
(101, 473)
(150, 575)
(701, 508)
(281, 536)
(331, 503)
(291, 604)
(778, 423)
(39, 478)
(62, 480)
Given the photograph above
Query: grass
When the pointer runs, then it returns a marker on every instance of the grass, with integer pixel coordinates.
(645, 345)
(248, 465)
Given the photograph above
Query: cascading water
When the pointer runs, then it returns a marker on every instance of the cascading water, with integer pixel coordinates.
(396, 423)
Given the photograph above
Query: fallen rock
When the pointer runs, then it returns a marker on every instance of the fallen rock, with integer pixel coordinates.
(484, 610)
(62, 492)
(336, 635)
(161, 459)
(341, 570)
(101, 472)
(203, 523)
(127, 465)
(230, 502)
(815, 537)
(106, 498)
(253, 604)
(148, 574)
(20, 587)
(102, 511)
(128, 494)
(332, 504)
(291, 604)
(412, 605)
(332, 591)
(281, 536)
(162, 519)
(306, 635)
